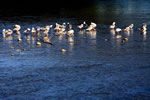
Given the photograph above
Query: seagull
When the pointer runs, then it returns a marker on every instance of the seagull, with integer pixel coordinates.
(16, 27)
(118, 30)
(113, 25)
(80, 26)
(127, 29)
(131, 26)
(89, 28)
(70, 32)
(27, 30)
(93, 25)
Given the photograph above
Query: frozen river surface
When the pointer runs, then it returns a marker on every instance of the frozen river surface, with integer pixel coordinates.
(96, 65)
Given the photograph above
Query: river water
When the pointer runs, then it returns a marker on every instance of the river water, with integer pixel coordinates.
(96, 65)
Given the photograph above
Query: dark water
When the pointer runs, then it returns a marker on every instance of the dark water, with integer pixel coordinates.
(123, 12)
(96, 66)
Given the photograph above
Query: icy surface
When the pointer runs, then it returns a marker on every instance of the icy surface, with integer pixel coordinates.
(96, 66)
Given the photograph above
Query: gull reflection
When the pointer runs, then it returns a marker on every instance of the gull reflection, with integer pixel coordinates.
(9, 38)
(38, 34)
(131, 32)
(127, 33)
(81, 33)
(28, 42)
(19, 37)
(70, 39)
(71, 45)
(33, 41)
(112, 32)
(28, 37)
(60, 37)
(91, 34)
(144, 36)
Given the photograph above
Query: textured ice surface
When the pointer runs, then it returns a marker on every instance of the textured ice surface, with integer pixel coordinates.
(96, 66)
(92, 68)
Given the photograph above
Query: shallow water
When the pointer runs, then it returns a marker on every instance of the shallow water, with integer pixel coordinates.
(95, 66)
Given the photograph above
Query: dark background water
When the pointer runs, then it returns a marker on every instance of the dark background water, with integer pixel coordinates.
(100, 11)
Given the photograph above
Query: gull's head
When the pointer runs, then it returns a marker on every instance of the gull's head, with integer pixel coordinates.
(64, 23)
(84, 22)
(114, 23)
(28, 29)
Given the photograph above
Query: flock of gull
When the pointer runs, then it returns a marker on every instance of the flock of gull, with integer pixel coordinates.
(63, 29)
(128, 29)
(43, 35)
